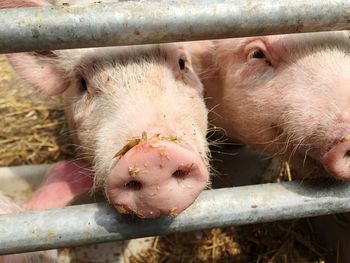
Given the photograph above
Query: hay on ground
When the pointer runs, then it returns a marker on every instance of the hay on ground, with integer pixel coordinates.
(32, 128)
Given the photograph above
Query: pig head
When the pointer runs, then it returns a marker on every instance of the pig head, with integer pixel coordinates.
(286, 94)
(137, 116)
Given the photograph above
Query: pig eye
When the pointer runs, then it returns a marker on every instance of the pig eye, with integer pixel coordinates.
(182, 64)
(257, 54)
(82, 85)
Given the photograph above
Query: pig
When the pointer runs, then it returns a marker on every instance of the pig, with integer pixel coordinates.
(137, 116)
(7, 207)
(285, 94)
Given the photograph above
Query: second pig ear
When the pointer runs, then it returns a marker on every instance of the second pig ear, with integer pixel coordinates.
(39, 69)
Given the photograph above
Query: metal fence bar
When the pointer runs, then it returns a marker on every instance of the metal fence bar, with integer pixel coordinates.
(86, 224)
(141, 22)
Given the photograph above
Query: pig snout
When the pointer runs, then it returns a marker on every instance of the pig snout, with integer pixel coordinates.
(337, 160)
(153, 179)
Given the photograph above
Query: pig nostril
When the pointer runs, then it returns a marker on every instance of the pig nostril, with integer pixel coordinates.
(134, 185)
(180, 173)
(347, 154)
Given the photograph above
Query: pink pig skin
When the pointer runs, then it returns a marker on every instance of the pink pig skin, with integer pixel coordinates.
(288, 95)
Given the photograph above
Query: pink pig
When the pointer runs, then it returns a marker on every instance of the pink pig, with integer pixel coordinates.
(286, 94)
(138, 118)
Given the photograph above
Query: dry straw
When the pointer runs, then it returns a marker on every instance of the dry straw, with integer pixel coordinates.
(33, 129)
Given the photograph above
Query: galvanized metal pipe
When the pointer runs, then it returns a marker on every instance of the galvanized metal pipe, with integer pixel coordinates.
(86, 224)
(141, 22)
(24, 172)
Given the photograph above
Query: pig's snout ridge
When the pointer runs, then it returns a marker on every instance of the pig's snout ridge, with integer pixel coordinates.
(156, 178)
(337, 160)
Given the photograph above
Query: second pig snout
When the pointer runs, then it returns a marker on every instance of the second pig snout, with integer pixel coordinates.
(156, 178)
(337, 159)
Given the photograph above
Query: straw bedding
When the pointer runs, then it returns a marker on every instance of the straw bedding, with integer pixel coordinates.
(33, 128)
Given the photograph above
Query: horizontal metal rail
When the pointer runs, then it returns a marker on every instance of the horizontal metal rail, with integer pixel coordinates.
(142, 22)
(86, 224)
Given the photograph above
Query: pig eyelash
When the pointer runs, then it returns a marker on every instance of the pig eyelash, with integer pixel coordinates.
(182, 64)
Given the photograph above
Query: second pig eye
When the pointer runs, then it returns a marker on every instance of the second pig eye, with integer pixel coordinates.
(82, 85)
(182, 64)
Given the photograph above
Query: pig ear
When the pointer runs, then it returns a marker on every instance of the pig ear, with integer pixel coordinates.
(40, 70)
